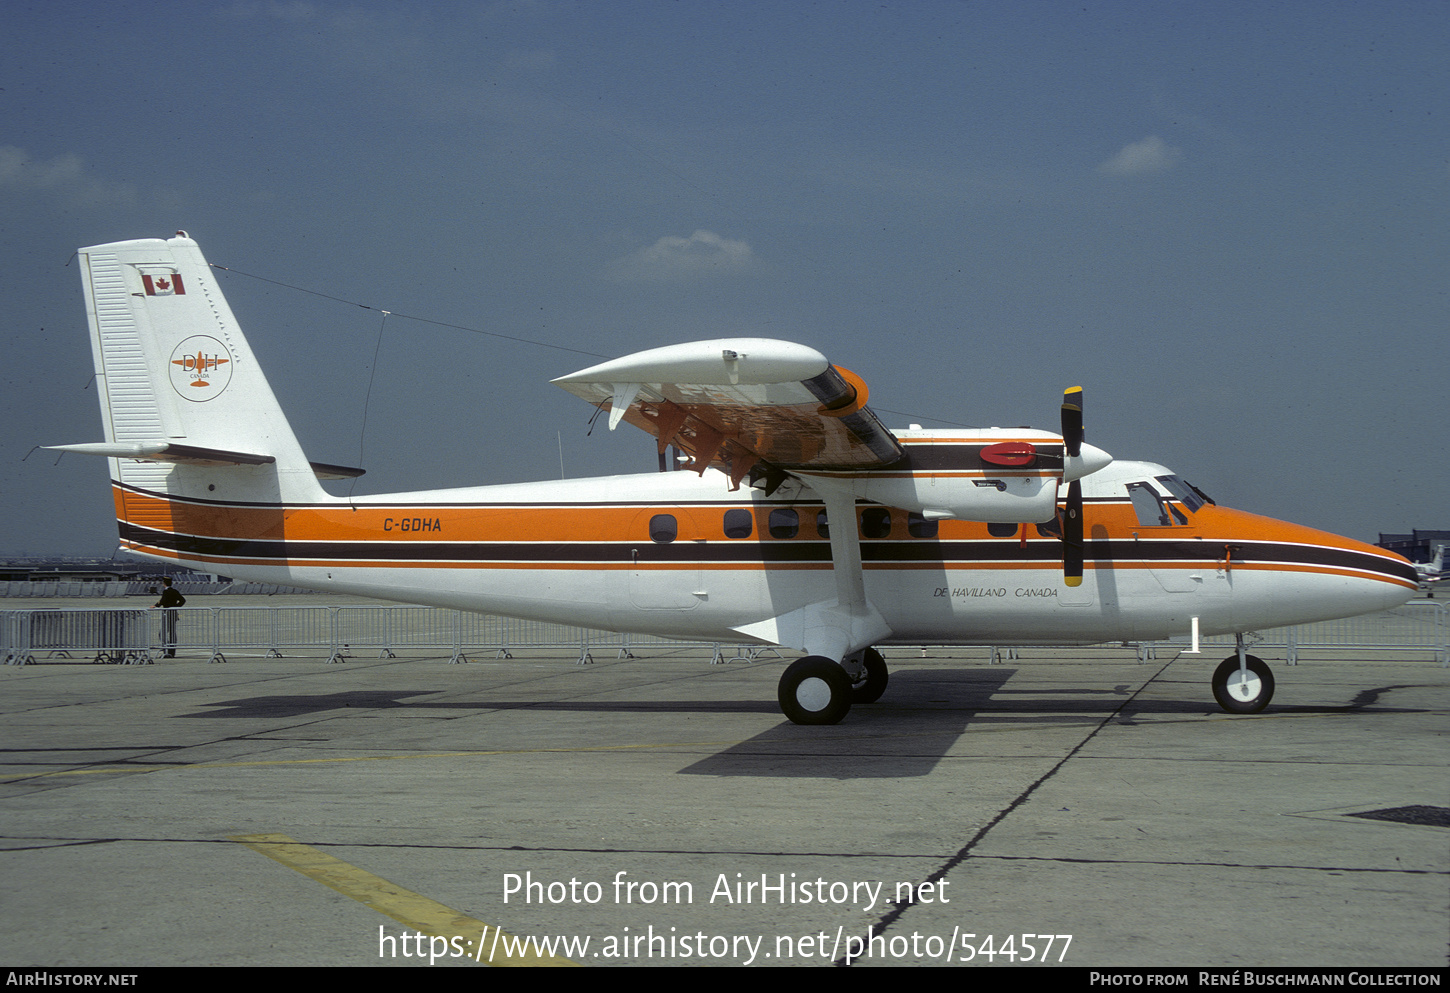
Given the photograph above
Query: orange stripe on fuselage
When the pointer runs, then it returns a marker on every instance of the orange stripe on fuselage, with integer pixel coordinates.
(1216, 527)
(386, 523)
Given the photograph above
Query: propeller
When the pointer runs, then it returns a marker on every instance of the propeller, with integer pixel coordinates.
(1072, 421)
(1072, 546)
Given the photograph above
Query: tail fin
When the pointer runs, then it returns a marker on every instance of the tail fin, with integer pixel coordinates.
(187, 411)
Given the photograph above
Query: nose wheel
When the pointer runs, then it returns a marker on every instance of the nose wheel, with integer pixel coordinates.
(815, 690)
(1246, 691)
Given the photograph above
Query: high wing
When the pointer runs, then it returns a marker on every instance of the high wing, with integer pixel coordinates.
(739, 403)
(771, 409)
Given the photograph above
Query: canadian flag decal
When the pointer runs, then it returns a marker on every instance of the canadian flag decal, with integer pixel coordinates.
(166, 285)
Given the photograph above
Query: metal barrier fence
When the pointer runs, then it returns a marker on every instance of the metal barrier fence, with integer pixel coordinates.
(113, 635)
(139, 636)
(41, 588)
(1417, 626)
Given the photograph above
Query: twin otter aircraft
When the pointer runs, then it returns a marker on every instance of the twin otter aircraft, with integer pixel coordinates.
(805, 523)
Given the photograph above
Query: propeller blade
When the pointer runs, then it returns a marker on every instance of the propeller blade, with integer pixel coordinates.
(1072, 421)
(1072, 545)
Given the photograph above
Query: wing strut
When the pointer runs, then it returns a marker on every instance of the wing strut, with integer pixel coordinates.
(845, 548)
(843, 627)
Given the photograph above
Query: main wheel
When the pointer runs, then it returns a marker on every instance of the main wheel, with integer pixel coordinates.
(1243, 695)
(815, 690)
(873, 684)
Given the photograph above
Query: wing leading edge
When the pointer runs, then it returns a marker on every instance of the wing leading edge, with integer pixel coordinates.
(741, 403)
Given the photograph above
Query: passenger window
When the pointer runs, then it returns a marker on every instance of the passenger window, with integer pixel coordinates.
(784, 523)
(997, 530)
(920, 527)
(822, 527)
(663, 528)
(1148, 506)
(739, 523)
(875, 522)
(1049, 529)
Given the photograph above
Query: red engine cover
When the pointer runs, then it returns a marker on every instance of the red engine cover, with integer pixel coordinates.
(1013, 453)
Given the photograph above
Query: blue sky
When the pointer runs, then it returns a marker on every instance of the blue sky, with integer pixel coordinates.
(1229, 222)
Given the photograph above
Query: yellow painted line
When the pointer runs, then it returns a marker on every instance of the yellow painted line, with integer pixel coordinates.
(485, 943)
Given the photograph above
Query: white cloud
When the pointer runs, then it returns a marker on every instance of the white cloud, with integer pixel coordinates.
(703, 253)
(1152, 154)
(65, 175)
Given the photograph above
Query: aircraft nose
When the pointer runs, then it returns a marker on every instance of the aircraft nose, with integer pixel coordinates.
(1290, 574)
(1088, 461)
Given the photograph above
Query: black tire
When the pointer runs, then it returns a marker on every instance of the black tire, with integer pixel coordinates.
(873, 684)
(815, 690)
(1238, 699)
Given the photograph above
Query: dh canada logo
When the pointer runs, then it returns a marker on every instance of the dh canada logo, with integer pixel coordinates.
(201, 367)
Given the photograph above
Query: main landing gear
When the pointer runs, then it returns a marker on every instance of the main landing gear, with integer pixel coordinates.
(818, 690)
(872, 684)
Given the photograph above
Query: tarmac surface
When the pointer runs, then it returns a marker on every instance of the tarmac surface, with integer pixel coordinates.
(290, 812)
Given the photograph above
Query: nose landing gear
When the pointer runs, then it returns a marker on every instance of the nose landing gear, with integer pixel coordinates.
(1243, 689)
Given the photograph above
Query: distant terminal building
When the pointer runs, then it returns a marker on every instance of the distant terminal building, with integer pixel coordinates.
(1417, 546)
(96, 577)
(82, 570)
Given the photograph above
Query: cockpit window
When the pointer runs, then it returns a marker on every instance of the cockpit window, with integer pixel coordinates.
(1181, 491)
(1148, 506)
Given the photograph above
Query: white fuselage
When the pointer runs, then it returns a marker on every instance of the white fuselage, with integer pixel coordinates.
(676, 554)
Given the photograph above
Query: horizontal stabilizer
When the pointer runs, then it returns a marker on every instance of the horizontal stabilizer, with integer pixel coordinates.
(161, 451)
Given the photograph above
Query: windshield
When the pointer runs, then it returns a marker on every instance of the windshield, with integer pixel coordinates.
(1182, 492)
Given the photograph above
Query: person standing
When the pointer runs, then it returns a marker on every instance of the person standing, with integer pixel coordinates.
(170, 600)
